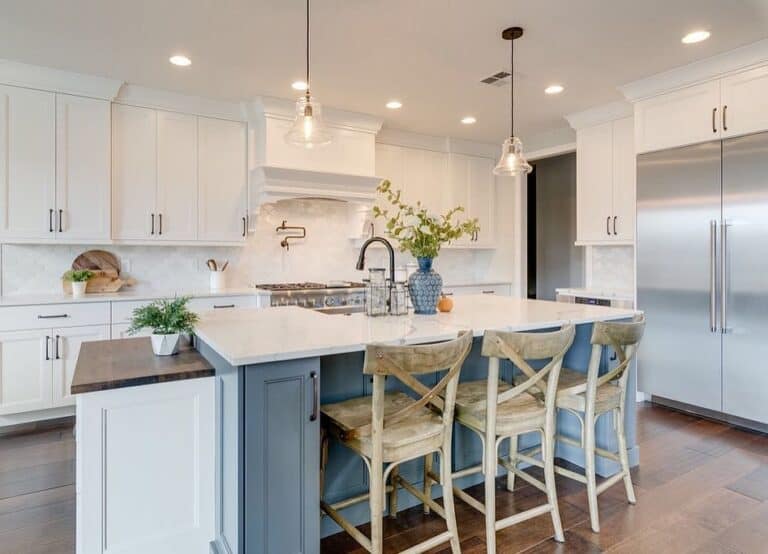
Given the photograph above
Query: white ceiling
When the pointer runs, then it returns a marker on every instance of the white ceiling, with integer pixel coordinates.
(431, 54)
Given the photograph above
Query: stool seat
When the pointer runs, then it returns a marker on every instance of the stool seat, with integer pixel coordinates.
(608, 396)
(521, 412)
(421, 432)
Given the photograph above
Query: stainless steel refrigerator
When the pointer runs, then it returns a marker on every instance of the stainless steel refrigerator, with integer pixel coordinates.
(702, 277)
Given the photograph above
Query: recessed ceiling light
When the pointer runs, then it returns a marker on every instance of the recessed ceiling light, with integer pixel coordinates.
(469, 120)
(394, 104)
(554, 89)
(695, 36)
(299, 85)
(180, 60)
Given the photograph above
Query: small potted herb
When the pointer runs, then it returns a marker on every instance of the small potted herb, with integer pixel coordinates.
(167, 319)
(79, 280)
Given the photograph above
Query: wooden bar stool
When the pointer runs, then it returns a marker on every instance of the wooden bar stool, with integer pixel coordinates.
(590, 395)
(496, 410)
(392, 427)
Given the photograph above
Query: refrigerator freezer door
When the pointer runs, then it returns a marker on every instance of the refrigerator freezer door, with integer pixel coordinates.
(745, 342)
(678, 199)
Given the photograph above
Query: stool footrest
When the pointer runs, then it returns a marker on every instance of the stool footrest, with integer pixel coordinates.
(523, 516)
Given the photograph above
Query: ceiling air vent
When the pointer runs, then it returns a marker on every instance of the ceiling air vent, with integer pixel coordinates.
(497, 79)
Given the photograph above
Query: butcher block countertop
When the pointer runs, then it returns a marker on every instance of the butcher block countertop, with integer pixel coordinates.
(113, 364)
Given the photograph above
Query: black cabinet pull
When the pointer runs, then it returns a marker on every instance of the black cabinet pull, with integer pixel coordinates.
(61, 216)
(245, 225)
(160, 219)
(56, 353)
(56, 316)
(152, 232)
(220, 306)
(614, 224)
(725, 124)
(50, 220)
(489, 292)
(315, 396)
(608, 225)
(714, 114)
(47, 353)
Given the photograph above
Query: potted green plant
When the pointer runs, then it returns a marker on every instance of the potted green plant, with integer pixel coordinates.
(422, 233)
(167, 319)
(79, 280)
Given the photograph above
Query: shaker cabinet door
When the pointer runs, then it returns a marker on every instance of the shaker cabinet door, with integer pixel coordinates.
(25, 371)
(624, 176)
(594, 183)
(482, 203)
(66, 347)
(83, 168)
(222, 180)
(27, 163)
(134, 172)
(745, 102)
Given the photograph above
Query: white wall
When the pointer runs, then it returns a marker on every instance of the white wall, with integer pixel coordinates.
(326, 253)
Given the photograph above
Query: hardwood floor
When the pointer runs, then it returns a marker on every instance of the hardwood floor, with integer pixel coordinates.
(702, 487)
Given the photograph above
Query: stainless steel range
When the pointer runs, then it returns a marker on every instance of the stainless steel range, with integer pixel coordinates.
(336, 297)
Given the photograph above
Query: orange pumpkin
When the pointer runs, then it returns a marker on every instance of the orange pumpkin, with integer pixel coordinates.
(445, 304)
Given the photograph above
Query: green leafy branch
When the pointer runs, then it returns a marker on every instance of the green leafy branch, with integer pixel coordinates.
(164, 317)
(415, 229)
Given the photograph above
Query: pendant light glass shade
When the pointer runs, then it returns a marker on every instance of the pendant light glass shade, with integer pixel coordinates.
(512, 161)
(308, 129)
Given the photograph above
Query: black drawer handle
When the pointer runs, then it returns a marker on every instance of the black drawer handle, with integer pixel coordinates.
(315, 396)
(219, 306)
(489, 292)
(57, 316)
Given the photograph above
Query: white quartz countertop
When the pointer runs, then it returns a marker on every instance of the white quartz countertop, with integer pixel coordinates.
(127, 295)
(251, 336)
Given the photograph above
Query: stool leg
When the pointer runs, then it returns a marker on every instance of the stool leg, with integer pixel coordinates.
(548, 455)
(589, 466)
(376, 502)
(624, 457)
(428, 464)
(490, 494)
(448, 505)
(513, 461)
(393, 495)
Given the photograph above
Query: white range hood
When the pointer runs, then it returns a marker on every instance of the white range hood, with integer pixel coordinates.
(343, 170)
(271, 184)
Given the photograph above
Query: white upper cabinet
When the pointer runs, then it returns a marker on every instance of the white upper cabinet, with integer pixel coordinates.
(27, 163)
(732, 106)
(178, 177)
(605, 183)
(745, 102)
(83, 166)
(222, 180)
(624, 180)
(594, 182)
(682, 117)
(134, 172)
(175, 210)
(481, 203)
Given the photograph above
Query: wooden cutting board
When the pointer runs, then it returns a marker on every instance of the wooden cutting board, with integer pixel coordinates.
(97, 260)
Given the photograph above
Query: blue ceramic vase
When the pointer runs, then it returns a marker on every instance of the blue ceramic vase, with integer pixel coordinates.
(425, 286)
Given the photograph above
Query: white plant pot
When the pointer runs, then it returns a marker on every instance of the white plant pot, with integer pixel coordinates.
(78, 288)
(165, 345)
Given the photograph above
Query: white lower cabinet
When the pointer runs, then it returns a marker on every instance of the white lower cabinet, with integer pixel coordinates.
(66, 347)
(146, 468)
(25, 371)
(499, 289)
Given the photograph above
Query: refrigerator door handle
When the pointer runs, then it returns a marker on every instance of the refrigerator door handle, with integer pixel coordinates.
(713, 276)
(724, 277)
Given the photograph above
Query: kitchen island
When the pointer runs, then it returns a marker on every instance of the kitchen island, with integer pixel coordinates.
(274, 367)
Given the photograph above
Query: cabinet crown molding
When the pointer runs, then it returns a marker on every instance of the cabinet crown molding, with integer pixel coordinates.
(134, 95)
(733, 61)
(56, 80)
(449, 145)
(285, 109)
(599, 115)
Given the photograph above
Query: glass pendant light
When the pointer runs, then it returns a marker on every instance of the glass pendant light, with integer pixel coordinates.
(308, 129)
(512, 160)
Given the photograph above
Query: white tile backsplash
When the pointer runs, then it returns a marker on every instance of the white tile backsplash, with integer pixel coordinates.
(612, 268)
(327, 253)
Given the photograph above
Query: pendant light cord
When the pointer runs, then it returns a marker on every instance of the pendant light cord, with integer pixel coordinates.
(307, 48)
(511, 88)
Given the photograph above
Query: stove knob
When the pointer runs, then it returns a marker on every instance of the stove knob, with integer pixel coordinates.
(330, 301)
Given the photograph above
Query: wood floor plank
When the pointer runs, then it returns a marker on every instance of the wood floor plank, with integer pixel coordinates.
(35, 499)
